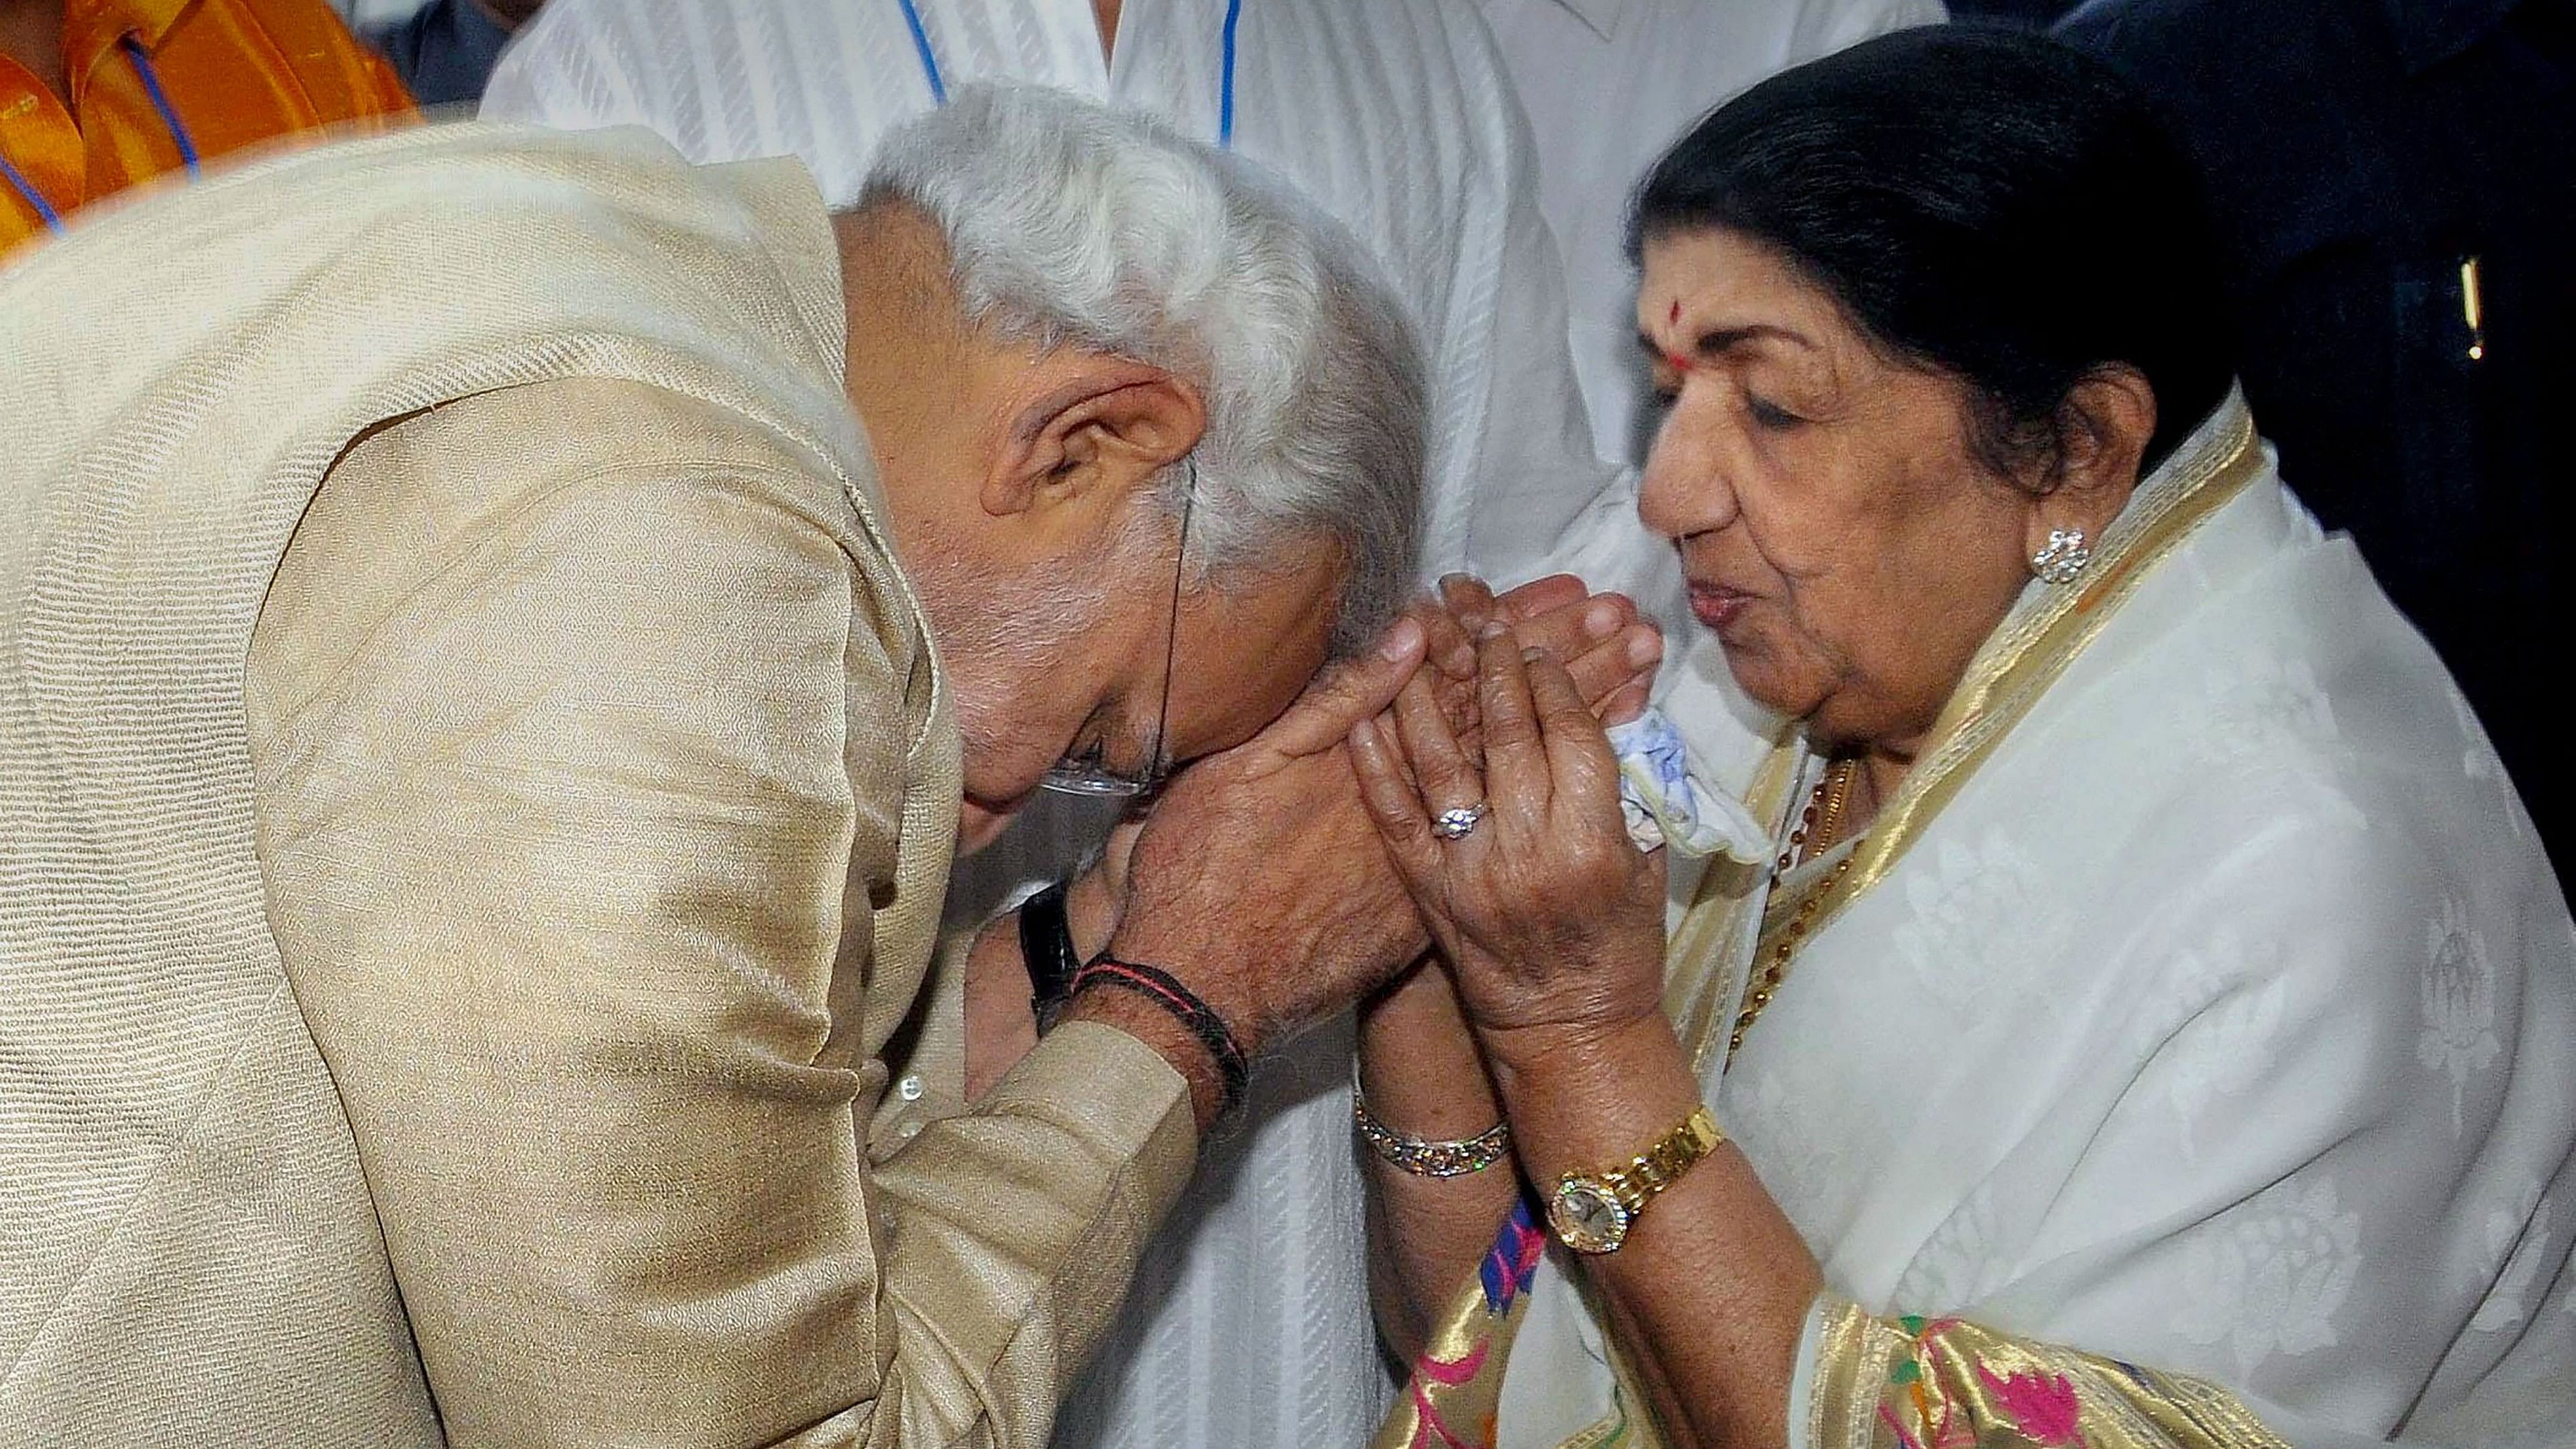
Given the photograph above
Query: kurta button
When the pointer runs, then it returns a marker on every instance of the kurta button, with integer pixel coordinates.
(909, 1089)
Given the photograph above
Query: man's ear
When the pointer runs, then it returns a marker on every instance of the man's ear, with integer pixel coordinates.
(2108, 420)
(1096, 434)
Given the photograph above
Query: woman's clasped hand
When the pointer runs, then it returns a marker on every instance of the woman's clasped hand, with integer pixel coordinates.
(1549, 918)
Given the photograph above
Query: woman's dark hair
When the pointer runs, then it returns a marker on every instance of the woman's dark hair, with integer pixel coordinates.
(1987, 203)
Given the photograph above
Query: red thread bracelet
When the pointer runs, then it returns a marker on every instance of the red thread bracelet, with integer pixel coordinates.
(1234, 1069)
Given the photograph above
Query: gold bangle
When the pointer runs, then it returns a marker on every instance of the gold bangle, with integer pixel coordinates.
(1428, 1157)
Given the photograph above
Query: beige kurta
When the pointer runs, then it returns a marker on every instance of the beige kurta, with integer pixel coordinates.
(475, 796)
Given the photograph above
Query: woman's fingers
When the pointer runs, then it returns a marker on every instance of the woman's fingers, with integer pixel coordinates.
(1540, 596)
(1603, 668)
(1515, 751)
(1579, 757)
(1448, 779)
(1451, 646)
(1395, 808)
(1457, 698)
(1386, 725)
(1470, 599)
(1625, 703)
(1574, 627)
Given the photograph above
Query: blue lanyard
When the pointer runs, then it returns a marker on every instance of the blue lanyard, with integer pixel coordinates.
(187, 145)
(1225, 90)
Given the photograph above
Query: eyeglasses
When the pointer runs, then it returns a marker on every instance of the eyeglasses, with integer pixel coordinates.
(1089, 776)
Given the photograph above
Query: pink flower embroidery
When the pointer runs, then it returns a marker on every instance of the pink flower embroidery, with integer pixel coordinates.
(1430, 1431)
(2045, 1410)
(1454, 1371)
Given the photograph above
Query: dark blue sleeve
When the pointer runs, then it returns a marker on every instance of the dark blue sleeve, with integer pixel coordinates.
(444, 52)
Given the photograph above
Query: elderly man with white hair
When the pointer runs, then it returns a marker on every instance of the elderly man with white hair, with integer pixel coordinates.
(1395, 117)
(497, 649)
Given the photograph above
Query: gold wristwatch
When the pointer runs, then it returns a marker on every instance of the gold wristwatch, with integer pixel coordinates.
(1593, 1211)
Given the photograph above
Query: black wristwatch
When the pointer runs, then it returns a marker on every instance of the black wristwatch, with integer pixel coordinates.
(1046, 949)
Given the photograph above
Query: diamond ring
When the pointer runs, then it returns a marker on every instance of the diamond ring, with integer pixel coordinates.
(1455, 824)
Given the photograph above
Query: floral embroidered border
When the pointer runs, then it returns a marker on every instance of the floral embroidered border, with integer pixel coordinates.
(1940, 1383)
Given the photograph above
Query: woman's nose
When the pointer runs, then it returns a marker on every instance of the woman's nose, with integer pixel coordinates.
(1684, 490)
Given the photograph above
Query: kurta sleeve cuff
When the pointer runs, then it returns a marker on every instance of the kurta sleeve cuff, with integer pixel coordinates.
(1015, 1227)
(1099, 1080)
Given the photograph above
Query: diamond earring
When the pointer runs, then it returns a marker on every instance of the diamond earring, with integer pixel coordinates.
(2064, 558)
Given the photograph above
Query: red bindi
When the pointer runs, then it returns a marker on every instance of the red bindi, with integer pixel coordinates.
(1674, 317)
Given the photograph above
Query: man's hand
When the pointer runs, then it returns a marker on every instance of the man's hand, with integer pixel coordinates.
(1258, 878)
(1259, 881)
(1278, 826)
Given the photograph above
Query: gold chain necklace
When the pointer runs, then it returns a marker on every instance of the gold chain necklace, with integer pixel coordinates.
(1819, 826)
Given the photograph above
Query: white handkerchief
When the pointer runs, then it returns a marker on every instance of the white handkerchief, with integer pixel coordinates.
(1665, 803)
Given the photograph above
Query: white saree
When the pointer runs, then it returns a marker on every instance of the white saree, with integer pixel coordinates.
(2188, 1056)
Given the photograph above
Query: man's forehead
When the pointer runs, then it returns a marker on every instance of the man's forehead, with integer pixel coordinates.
(1249, 646)
(1274, 619)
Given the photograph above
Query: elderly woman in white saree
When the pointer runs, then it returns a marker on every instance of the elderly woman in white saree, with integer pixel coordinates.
(2151, 1020)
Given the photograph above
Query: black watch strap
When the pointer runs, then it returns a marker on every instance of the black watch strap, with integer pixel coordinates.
(1046, 949)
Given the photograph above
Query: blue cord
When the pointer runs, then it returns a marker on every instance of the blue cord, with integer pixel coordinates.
(1225, 95)
(161, 103)
(930, 72)
(45, 213)
(929, 60)
(187, 144)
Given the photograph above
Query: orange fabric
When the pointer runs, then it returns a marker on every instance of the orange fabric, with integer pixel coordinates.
(238, 72)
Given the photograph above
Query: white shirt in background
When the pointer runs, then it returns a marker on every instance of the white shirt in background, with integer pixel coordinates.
(1393, 116)
(1249, 1325)
(1609, 85)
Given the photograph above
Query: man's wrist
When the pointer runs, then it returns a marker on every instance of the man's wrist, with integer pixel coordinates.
(1185, 952)
(1167, 1037)
(1174, 996)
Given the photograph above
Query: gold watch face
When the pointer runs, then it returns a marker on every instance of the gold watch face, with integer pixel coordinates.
(1587, 1218)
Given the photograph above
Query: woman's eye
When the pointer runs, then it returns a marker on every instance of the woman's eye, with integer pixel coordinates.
(1769, 414)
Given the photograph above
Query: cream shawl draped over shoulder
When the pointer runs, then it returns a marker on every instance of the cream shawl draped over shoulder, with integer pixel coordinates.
(456, 1008)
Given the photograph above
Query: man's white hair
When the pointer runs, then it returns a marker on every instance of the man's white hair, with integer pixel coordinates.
(1071, 225)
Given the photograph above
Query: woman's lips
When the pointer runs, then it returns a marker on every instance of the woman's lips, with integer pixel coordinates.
(1716, 605)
